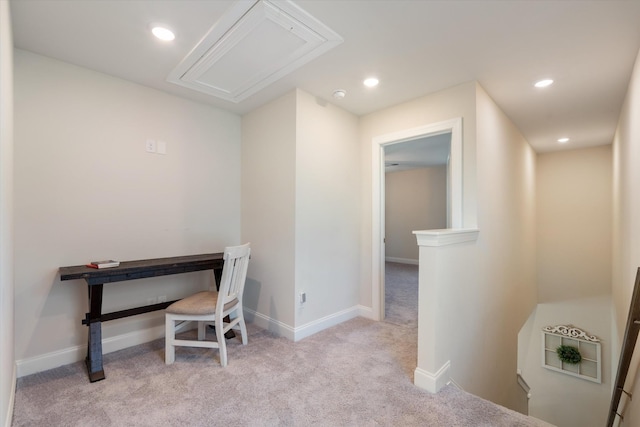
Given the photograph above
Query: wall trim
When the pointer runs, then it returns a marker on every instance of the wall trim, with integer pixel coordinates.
(432, 382)
(77, 353)
(269, 324)
(402, 260)
(323, 323)
(12, 398)
(446, 237)
(366, 312)
(523, 384)
(308, 329)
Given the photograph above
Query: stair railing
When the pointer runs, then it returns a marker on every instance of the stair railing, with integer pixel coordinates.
(626, 354)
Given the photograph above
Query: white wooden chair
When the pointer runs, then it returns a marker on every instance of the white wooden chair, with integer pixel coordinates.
(210, 307)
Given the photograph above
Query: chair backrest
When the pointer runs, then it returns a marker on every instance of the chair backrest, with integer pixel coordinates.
(234, 274)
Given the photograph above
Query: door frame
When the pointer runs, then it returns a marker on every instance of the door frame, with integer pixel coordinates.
(454, 195)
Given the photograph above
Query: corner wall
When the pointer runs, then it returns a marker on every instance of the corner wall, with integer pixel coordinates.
(506, 277)
(573, 201)
(300, 208)
(327, 214)
(7, 349)
(268, 212)
(626, 229)
(489, 284)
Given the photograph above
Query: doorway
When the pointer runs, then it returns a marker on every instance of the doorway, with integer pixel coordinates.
(415, 194)
(452, 130)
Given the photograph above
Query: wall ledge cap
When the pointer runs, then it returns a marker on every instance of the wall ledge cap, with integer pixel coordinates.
(448, 236)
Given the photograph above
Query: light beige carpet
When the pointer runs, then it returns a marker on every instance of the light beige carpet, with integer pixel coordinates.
(401, 294)
(359, 373)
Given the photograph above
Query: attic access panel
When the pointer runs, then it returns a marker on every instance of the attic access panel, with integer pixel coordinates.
(254, 44)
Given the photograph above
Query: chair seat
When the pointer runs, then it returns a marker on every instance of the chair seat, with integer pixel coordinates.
(202, 303)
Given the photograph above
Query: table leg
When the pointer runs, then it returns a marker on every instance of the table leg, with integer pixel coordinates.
(94, 347)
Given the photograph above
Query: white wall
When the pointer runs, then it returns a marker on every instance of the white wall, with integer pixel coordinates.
(268, 211)
(574, 208)
(7, 354)
(300, 204)
(626, 228)
(505, 290)
(85, 189)
(327, 212)
(574, 214)
(415, 199)
(558, 398)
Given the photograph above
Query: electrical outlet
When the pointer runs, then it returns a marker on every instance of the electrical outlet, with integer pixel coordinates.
(303, 297)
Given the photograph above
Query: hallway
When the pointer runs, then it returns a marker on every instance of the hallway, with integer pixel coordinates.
(401, 294)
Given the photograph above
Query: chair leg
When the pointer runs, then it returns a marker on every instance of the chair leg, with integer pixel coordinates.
(201, 330)
(222, 343)
(169, 336)
(243, 326)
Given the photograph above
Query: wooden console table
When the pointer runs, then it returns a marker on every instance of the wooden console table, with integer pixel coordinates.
(129, 270)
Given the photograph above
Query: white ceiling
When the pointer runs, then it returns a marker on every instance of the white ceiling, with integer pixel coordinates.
(413, 47)
(433, 150)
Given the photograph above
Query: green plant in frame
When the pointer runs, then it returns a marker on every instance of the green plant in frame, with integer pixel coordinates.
(569, 354)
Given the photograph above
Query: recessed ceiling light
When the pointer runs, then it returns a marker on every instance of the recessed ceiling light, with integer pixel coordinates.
(544, 83)
(163, 33)
(371, 82)
(563, 140)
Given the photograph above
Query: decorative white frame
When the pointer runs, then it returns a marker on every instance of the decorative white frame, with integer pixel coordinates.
(589, 369)
(237, 26)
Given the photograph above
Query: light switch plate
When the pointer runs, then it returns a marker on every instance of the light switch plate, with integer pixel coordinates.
(150, 146)
(161, 147)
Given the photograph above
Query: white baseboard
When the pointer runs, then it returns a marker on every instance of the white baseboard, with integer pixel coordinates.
(325, 322)
(432, 382)
(366, 312)
(296, 334)
(522, 383)
(402, 260)
(272, 325)
(74, 354)
(12, 398)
